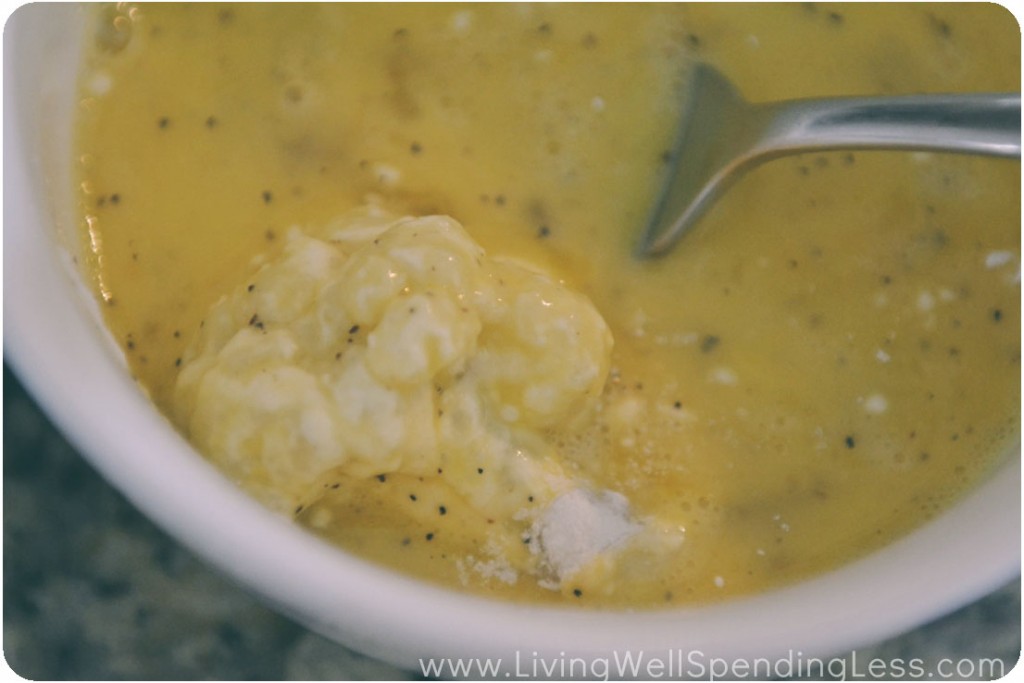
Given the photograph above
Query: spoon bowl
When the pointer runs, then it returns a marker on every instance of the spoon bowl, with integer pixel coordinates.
(722, 136)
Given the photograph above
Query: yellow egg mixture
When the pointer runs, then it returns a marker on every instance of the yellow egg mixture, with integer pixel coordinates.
(376, 262)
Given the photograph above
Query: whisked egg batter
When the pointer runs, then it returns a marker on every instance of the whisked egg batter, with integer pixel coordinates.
(828, 361)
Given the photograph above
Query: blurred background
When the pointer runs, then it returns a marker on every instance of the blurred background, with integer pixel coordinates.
(92, 590)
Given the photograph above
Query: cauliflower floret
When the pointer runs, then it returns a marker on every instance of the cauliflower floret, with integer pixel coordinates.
(253, 400)
(384, 428)
(419, 336)
(545, 353)
(393, 346)
(432, 255)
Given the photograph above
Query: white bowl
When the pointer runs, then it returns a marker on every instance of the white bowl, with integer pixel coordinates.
(57, 345)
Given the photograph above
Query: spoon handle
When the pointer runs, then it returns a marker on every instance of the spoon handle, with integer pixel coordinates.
(988, 124)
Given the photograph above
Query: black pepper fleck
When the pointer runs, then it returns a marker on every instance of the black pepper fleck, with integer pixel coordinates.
(850, 443)
(267, 196)
(940, 26)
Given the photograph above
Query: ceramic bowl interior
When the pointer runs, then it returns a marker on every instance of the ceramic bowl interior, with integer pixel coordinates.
(56, 343)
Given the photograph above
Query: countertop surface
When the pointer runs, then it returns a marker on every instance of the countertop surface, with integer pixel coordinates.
(92, 590)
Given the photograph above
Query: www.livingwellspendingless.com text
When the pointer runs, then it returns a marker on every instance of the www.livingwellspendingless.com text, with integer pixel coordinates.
(682, 664)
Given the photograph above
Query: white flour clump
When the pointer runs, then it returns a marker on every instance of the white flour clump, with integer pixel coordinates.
(581, 525)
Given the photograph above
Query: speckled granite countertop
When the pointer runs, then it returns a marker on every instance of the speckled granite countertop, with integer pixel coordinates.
(92, 590)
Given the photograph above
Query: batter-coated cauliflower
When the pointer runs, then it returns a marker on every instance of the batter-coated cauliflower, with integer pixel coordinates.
(383, 346)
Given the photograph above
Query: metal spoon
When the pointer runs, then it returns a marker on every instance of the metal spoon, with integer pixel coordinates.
(722, 136)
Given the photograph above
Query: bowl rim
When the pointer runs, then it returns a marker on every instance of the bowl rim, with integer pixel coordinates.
(56, 344)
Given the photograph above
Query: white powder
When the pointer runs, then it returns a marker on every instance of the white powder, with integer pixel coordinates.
(580, 525)
(995, 259)
(724, 376)
(925, 301)
(461, 21)
(498, 568)
(100, 83)
(876, 404)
